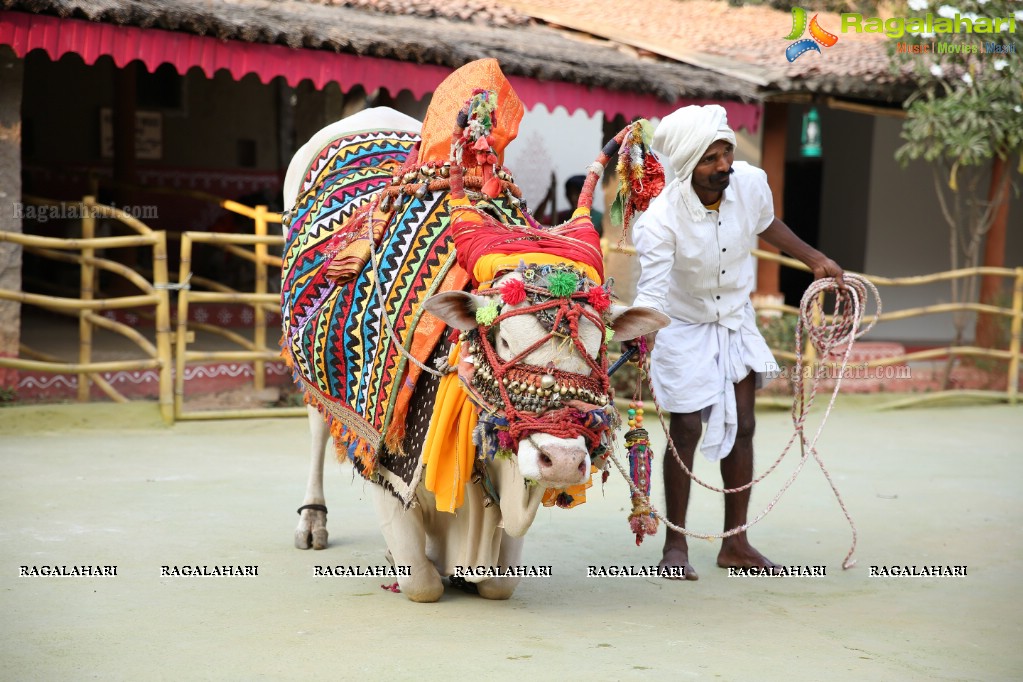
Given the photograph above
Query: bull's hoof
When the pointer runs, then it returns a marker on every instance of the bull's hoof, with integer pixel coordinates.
(424, 585)
(316, 539)
(312, 527)
(497, 588)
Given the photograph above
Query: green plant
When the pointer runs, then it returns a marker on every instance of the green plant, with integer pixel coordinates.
(967, 112)
(780, 333)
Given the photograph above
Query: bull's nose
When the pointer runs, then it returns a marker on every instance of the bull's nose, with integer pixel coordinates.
(562, 464)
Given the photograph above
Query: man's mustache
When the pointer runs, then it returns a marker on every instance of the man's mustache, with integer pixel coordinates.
(722, 176)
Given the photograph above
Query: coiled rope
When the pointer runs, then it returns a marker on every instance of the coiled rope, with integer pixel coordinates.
(826, 333)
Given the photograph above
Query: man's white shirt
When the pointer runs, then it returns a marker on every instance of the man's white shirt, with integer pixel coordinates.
(702, 271)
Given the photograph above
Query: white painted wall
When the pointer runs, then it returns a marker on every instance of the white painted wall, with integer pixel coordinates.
(554, 141)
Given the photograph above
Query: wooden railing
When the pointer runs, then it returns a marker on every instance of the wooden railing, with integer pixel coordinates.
(254, 248)
(1011, 354)
(253, 350)
(154, 294)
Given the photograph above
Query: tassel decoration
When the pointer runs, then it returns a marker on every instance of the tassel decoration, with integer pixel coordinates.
(640, 175)
(641, 520)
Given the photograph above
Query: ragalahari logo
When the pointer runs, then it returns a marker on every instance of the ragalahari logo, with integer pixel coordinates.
(817, 35)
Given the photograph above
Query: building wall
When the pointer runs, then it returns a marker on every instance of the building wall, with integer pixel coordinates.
(875, 216)
(881, 219)
(203, 132)
(554, 142)
(907, 235)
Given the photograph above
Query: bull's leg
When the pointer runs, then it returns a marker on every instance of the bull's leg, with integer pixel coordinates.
(405, 536)
(312, 523)
(511, 555)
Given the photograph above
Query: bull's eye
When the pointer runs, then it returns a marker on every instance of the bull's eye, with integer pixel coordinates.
(503, 346)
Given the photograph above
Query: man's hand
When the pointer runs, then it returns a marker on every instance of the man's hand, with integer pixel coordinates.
(825, 267)
(649, 338)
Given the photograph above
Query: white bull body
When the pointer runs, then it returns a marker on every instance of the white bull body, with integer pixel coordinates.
(433, 543)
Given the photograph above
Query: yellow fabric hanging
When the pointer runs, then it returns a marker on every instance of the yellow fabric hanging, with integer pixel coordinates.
(448, 453)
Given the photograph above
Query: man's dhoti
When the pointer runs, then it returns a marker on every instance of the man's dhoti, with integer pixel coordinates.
(694, 368)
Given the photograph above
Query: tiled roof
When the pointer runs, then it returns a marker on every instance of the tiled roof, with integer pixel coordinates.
(746, 42)
(599, 72)
(488, 12)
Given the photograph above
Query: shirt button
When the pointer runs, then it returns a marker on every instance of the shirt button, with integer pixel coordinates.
(718, 297)
(723, 250)
(722, 272)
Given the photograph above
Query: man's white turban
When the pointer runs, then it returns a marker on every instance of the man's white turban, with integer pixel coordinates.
(682, 137)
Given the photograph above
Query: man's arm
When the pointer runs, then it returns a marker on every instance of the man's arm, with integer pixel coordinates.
(780, 236)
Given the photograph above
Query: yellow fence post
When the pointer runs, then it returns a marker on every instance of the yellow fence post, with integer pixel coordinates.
(259, 319)
(1014, 342)
(88, 288)
(181, 346)
(163, 328)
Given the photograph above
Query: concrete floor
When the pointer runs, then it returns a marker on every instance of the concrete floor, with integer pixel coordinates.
(110, 485)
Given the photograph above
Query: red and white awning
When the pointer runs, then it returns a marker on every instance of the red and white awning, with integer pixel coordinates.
(184, 51)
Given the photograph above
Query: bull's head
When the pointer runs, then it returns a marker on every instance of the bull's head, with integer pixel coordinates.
(534, 360)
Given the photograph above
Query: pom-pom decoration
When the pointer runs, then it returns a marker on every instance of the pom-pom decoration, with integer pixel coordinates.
(598, 298)
(562, 284)
(487, 314)
(640, 175)
(642, 520)
(513, 292)
(475, 147)
(649, 184)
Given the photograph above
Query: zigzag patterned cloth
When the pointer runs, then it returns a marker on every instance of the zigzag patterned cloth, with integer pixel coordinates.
(334, 334)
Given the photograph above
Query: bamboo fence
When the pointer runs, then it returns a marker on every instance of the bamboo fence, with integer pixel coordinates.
(261, 300)
(1010, 354)
(154, 294)
(254, 248)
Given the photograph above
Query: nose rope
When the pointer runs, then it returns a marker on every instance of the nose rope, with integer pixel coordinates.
(568, 421)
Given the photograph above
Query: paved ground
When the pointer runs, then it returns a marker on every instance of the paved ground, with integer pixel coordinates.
(109, 485)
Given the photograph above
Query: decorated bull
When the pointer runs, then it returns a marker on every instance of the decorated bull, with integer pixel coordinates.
(467, 409)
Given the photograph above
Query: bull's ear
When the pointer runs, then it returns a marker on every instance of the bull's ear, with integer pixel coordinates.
(629, 323)
(456, 308)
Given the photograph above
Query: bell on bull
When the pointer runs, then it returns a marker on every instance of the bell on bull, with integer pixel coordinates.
(495, 401)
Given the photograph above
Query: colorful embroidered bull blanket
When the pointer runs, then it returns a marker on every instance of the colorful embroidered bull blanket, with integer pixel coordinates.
(332, 331)
(342, 339)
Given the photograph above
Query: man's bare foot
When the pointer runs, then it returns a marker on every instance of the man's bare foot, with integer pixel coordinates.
(737, 552)
(677, 557)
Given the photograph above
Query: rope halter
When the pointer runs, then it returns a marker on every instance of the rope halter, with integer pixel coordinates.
(522, 399)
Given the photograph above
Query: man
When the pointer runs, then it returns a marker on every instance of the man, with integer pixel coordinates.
(694, 245)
